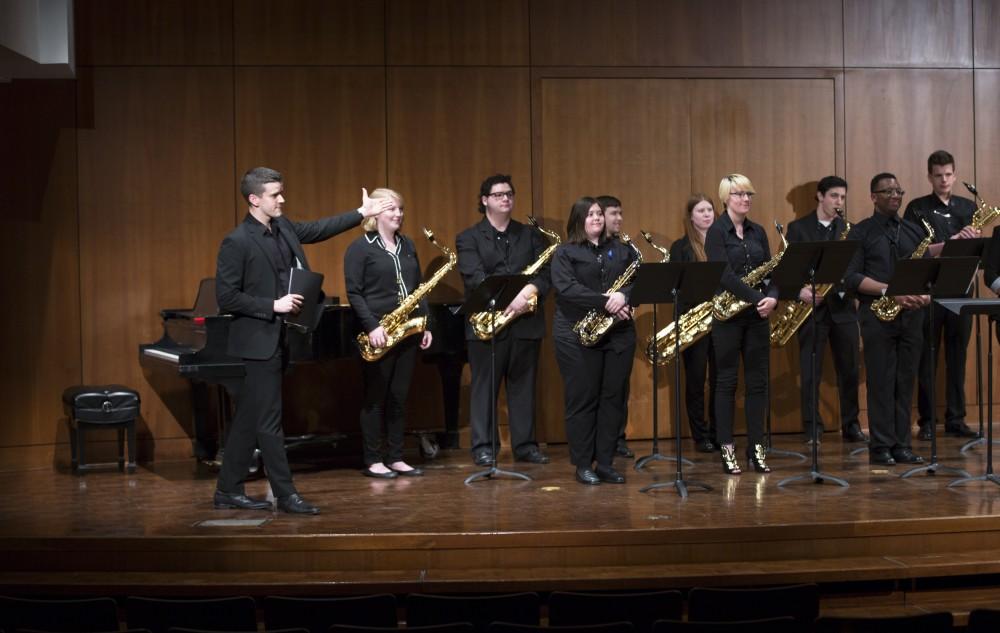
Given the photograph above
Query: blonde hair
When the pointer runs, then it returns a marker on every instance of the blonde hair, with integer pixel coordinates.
(370, 223)
(694, 237)
(732, 182)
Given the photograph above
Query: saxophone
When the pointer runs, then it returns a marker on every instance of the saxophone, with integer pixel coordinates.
(725, 305)
(485, 323)
(984, 214)
(592, 327)
(663, 251)
(885, 307)
(397, 324)
(796, 312)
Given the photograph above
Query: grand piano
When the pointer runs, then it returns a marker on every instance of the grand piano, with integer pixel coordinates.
(193, 346)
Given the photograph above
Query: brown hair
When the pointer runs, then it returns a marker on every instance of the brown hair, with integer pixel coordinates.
(694, 237)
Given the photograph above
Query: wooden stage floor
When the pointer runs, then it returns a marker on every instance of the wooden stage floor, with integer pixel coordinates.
(107, 532)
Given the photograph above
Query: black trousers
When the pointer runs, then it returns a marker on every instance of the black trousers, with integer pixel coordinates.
(745, 335)
(844, 341)
(595, 380)
(516, 365)
(699, 360)
(387, 384)
(957, 330)
(257, 423)
(892, 351)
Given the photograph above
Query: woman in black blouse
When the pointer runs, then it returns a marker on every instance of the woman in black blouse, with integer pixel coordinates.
(698, 357)
(743, 245)
(380, 270)
(594, 378)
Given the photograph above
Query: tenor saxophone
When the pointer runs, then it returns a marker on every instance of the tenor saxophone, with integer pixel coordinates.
(398, 324)
(885, 307)
(725, 305)
(596, 323)
(488, 322)
(796, 312)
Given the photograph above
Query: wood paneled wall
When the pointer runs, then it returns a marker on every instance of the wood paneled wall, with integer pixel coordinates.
(121, 184)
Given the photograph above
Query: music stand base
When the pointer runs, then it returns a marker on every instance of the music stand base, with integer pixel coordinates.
(493, 471)
(974, 443)
(774, 452)
(933, 468)
(680, 485)
(989, 477)
(658, 457)
(816, 477)
(858, 451)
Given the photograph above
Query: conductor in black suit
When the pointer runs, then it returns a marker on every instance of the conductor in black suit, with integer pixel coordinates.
(254, 264)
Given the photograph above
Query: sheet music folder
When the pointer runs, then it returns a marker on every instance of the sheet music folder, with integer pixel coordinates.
(309, 284)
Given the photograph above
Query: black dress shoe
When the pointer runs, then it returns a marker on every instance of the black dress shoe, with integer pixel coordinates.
(959, 429)
(483, 457)
(534, 456)
(854, 433)
(609, 475)
(226, 501)
(413, 472)
(391, 474)
(924, 433)
(705, 446)
(881, 457)
(587, 476)
(294, 504)
(906, 456)
(623, 450)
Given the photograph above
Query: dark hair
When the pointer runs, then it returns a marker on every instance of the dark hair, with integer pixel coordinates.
(608, 201)
(828, 183)
(487, 186)
(254, 180)
(879, 177)
(940, 158)
(575, 231)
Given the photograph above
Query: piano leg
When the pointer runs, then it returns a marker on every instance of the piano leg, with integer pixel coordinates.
(205, 442)
(450, 370)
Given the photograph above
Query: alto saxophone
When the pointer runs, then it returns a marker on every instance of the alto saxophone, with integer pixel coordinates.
(397, 324)
(488, 322)
(663, 251)
(592, 327)
(885, 307)
(796, 312)
(725, 305)
(984, 214)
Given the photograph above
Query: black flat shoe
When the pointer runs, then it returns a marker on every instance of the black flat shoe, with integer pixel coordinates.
(413, 472)
(705, 446)
(226, 501)
(609, 475)
(959, 429)
(587, 476)
(622, 450)
(533, 456)
(906, 456)
(881, 457)
(392, 474)
(294, 504)
(854, 434)
(924, 434)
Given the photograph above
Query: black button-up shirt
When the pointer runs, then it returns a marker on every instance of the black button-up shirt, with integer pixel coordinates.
(946, 218)
(722, 244)
(884, 239)
(377, 279)
(582, 273)
(280, 252)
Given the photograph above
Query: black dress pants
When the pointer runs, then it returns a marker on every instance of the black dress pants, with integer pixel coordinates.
(387, 384)
(957, 330)
(257, 423)
(516, 365)
(745, 335)
(844, 343)
(594, 381)
(892, 351)
(699, 360)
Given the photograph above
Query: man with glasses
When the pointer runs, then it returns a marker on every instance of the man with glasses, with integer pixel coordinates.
(950, 216)
(891, 349)
(499, 245)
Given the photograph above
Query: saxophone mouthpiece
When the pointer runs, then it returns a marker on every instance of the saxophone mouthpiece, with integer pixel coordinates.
(646, 236)
(532, 221)
(972, 190)
(429, 234)
(778, 226)
(839, 211)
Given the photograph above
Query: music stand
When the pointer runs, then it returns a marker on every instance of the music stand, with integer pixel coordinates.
(664, 283)
(824, 262)
(992, 308)
(494, 293)
(948, 277)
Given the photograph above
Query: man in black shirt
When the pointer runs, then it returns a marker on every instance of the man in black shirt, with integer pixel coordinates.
(835, 318)
(991, 272)
(950, 216)
(891, 348)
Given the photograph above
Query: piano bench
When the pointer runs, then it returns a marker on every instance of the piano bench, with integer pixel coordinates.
(91, 407)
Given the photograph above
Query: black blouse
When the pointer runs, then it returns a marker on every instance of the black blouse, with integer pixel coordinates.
(582, 273)
(722, 244)
(378, 280)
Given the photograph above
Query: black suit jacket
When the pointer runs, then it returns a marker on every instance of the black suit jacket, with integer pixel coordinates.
(479, 257)
(807, 229)
(246, 278)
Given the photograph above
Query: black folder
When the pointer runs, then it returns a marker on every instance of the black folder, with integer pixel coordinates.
(310, 286)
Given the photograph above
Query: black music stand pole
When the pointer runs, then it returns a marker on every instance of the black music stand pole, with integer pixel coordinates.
(981, 438)
(664, 283)
(493, 294)
(990, 307)
(825, 262)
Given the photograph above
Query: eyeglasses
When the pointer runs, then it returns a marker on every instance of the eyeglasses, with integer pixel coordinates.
(891, 192)
(741, 194)
(500, 195)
